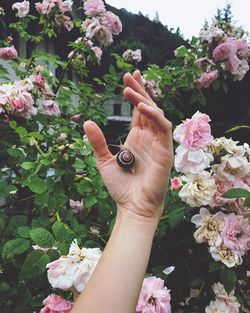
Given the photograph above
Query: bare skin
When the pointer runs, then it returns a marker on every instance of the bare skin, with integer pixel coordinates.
(139, 195)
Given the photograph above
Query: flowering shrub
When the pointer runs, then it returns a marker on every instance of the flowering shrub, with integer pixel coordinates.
(55, 213)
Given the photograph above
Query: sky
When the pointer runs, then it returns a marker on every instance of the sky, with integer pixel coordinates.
(189, 15)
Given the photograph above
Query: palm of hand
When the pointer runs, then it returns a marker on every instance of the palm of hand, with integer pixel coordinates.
(142, 189)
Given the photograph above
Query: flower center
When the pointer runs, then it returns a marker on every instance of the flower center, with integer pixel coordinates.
(152, 300)
(233, 171)
(212, 225)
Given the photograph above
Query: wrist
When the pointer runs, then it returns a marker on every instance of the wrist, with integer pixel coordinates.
(141, 225)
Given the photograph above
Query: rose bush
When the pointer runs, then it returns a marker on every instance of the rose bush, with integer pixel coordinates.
(55, 213)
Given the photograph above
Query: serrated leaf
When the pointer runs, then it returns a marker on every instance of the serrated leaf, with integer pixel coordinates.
(236, 193)
(228, 278)
(15, 247)
(34, 265)
(62, 233)
(42, 237)
(24, 231)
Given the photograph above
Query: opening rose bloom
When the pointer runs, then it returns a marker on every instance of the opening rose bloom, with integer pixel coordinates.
(8, 53)
(154, 297)
(22, 8)
(206, 79)
(198, 190)
(194, 133)
(176, 183)
(54, 304)
(94, 7)
(209, 226)
(74, 269)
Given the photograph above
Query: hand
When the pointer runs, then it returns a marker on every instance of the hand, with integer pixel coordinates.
(140, 192)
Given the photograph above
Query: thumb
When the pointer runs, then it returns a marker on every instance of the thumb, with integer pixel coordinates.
(98, 142)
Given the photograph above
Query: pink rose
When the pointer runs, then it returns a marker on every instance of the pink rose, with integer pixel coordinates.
(236, 233)
(176, 183)
(50, 107)
(98, 52)
(194, 133)
(38, 80)
(95, 30)
(45, 7)
(8, 53)
(112, 22)
(67, 23)
(18, 105)
(39, 7)
(242, 47)
(221, 187)
(206, 79)
(94, 7)
(154, 297)
(227, 51)
(23, 8)
(22, 102)
(54, 304)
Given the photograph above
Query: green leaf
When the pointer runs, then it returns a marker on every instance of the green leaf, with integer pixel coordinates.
(236, 193)
(214, 266)
(79, 164)
(15, 247)
(175, 217)
(63, 233)
(42, 237)
(34, 265)
(89, 201)
(16, 153)
(84, 187)
(181, 51)
(36, 135)
(10, 190)
(228, 278)
(237, 128)
(41, 200)
(24, 231)
(17, 221)
(37, 184)
(27, 165)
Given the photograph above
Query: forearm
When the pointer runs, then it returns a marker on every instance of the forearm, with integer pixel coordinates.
(116, 282)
